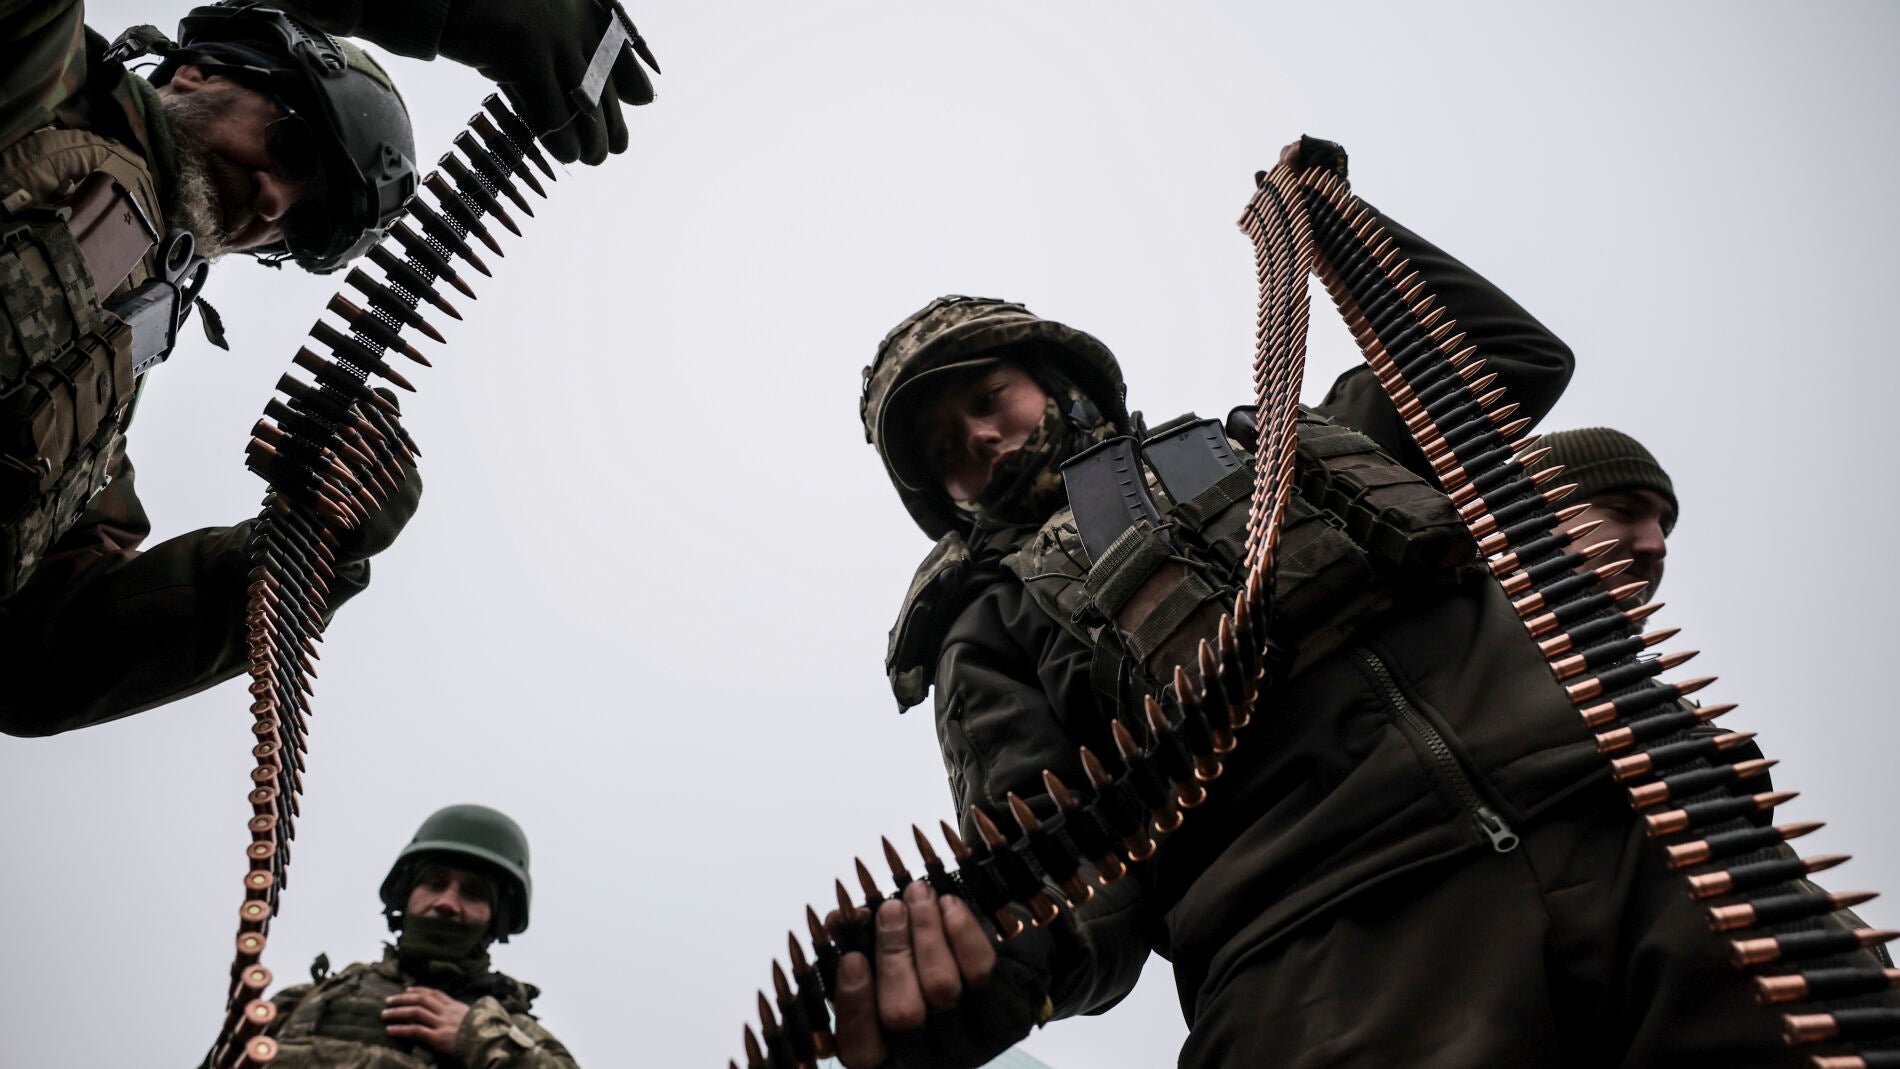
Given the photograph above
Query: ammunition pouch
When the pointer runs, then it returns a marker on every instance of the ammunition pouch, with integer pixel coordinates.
(1359, 530)
(938, 592)
(66, 385)
(69, 359)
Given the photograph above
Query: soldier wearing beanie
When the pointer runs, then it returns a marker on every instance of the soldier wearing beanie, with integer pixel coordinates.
(1631, 497)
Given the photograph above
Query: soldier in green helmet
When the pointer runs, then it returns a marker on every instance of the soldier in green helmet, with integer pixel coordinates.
(460, 885)
(1416, 859)
(257, 133)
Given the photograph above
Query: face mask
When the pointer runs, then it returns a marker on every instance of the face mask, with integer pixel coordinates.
(427, 942)
(1028, 488)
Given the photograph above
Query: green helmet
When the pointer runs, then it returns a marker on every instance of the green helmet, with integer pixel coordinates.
(473, 835)
(951, 334)
(345, 120)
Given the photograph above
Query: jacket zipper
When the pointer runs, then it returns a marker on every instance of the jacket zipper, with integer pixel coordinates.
(1503, 839)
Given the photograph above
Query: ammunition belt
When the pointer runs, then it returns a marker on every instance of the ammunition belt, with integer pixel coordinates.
(1694, 802)
(332, 452)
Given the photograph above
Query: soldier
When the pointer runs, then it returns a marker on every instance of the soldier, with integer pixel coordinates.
(257, 133)
(1415, 860)
(460, 885)
(1630, 496)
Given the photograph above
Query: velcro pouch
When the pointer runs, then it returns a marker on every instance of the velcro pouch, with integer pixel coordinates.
(937, 594)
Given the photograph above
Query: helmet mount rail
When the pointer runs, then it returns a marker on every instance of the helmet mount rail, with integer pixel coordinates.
(1695, 799)
(332, 453)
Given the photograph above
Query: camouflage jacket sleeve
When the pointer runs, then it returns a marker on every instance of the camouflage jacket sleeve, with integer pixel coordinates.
(405, 27)
(1530, 361)
(103, 630)
(1013, 698)
(42, 61)
(493, 1038)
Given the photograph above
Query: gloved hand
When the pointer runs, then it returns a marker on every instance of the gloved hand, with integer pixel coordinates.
(537, 53)
(379, 533)
(944, 995)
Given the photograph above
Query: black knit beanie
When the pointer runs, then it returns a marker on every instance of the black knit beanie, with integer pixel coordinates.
(1599, 460)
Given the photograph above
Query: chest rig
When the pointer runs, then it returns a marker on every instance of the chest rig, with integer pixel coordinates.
(1143, 577)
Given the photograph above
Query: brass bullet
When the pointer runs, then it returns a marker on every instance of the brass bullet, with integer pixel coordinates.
(1166, 816)
(1759, 874)
(1638, 764)
(458, 206)
(1697, 780)
(1701, 851)
(958, 848)
(1797, 906)
(1098, 851)
(406, 276)
(754, 1055)
(1615, 679)
(370, 326)
(1136, 843)
(872, 896)
(900, 876)
(518, 132)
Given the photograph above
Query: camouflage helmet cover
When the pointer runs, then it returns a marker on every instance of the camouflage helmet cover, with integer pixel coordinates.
(955, 332)
(489, 838)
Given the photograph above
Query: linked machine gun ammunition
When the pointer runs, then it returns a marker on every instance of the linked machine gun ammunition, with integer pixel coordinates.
(332, 451)
(1695, 798)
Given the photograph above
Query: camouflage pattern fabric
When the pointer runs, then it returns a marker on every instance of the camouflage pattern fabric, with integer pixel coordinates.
(955, 329)
(336, 1023)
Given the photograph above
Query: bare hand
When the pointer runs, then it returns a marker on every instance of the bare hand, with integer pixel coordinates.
(928, 951)
(425, 1015)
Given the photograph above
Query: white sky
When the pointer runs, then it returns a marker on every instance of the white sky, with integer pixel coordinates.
(643, 608)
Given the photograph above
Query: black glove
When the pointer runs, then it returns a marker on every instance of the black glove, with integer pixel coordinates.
(986, 1020)
(538, 53)
(379, 533)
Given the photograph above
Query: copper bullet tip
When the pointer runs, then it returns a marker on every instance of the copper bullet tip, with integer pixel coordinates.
(1025, 818)
(992, 835)
(1124, 741)
(1058, 791)
(871, 893)
(767, 1022)
(923, 846)
(845, 906)
(958, 848)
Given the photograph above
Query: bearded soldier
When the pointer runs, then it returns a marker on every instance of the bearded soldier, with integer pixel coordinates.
(460, 885)
(257, 133)
(1416, 860)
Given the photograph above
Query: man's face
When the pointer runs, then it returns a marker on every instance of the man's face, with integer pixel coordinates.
(457, 894)
(976, 421)
(1640, 521)
(232, 186)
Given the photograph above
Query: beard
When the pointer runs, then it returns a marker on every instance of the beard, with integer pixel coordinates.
(213, 196)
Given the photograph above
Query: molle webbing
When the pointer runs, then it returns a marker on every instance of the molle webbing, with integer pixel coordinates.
(332, 453)
(1304, 218)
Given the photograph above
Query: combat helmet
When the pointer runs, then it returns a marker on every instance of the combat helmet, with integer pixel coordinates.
(346, 122)
(953, 333)
(474, 836)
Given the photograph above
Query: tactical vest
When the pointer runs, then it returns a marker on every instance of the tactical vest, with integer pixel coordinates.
(71, 203)
(1361, 531)
(340, 1022)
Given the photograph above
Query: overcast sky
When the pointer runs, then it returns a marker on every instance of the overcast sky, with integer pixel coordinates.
(643, 608)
